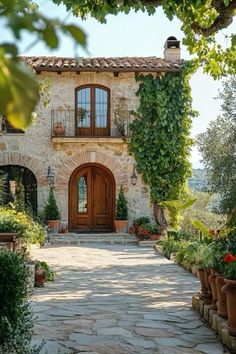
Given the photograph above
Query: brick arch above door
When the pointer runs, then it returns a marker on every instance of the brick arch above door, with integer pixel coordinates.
(69, 165)
(35, 165)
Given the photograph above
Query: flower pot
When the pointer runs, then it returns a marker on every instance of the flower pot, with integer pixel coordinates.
(230, 290)
(58, 129)
(142, 231)
(53, 226)
(204, 295)
(121, 226)
(63, 228)
(132, 230)
(40, 278)
(209, 294)
(212, 281)
(222, 303)
(154, 237)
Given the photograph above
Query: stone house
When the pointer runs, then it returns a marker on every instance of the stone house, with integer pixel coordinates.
(80, 140)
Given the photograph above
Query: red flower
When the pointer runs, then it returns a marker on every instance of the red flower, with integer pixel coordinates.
(229, 258)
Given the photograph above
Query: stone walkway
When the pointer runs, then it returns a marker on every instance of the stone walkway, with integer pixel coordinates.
(118, 300)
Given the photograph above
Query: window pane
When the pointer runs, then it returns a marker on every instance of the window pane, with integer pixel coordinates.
(83, 108)
(82, 195)
(101, 102)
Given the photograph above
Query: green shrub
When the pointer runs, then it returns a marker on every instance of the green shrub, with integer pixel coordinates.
(121, 206)
(190, 254)
(186, 235)
(49, 273)
(143, 220)
(16, 323)
(172, 233)
(152, 228)
(180, 235)
(169, 245)
(28, 230)
(51, 211)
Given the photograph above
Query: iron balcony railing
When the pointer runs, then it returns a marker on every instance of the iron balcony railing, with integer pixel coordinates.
(6, 128)
(64, 124)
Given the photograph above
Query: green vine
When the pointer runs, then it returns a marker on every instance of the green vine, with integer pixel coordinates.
(160, 140)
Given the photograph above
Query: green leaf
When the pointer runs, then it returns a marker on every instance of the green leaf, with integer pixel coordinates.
(19, 92)
(76, 33)
(188, 204)
(200, 226)
(177, 204)
(233, 40)
(50, 36)
(9, 48)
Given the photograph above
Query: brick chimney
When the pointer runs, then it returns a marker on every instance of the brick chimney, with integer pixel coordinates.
(172, 49)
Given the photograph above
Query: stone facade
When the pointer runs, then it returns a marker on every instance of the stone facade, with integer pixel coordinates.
(36, 149)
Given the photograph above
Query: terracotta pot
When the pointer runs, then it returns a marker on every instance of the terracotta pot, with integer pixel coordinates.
(63, 227)
(222, 303)
(136, 227)
(204, 290)
(53, 225)
(58, 129)
(230, 290)
(207, 273)
(132, 230)
(63, 230)
(39, 278)
(142, 231)
(121, 226)
(212, 281)
(154, 237)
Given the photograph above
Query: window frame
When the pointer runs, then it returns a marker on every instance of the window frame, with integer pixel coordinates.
(93, 130)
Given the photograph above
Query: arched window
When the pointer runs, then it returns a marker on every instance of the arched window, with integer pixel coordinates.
(20, 185)
(82, 195)
(92, 110)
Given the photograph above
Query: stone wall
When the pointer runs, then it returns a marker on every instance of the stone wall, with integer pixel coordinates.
(35, 149)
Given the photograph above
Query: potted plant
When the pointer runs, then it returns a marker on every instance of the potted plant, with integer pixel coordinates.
(40, 276)
(58, 129)
(51, 212)
(201, 261)
(81, 115)
(217, 251)
(121, 221)
(138, 223)
(43, 273)
(149, 232)
(230, 283)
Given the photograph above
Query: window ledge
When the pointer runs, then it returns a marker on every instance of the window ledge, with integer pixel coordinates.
(107, 140)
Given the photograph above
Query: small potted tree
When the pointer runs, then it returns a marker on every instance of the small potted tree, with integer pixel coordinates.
(121, 222)
(51, 212)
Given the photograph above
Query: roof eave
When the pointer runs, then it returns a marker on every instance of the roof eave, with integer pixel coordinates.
(122, 70)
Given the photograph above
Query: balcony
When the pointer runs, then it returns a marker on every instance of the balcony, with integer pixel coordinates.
(65, 128)
(6, 128)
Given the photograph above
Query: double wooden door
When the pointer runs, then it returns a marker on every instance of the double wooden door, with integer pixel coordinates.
(91, 200)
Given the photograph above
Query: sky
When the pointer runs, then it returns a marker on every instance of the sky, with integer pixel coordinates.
(136, 34)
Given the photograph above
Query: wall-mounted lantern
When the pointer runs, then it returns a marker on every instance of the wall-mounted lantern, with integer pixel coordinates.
(13, 189)
(50, 176)
(134, 177)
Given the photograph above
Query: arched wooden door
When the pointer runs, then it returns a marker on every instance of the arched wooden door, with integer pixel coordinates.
(91, 199)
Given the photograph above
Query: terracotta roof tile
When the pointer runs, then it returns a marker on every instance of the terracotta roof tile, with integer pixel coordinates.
(122, 64)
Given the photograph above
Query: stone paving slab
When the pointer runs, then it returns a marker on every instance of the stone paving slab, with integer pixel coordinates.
(118, 300)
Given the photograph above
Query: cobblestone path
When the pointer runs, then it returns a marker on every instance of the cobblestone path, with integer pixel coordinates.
(118, 300)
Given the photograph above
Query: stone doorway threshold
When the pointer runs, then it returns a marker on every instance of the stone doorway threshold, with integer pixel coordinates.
(74, 239)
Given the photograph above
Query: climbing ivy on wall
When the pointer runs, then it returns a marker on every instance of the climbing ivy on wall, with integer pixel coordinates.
(160, 140)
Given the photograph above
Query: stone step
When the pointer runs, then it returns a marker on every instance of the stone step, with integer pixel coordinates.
(78, 239)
